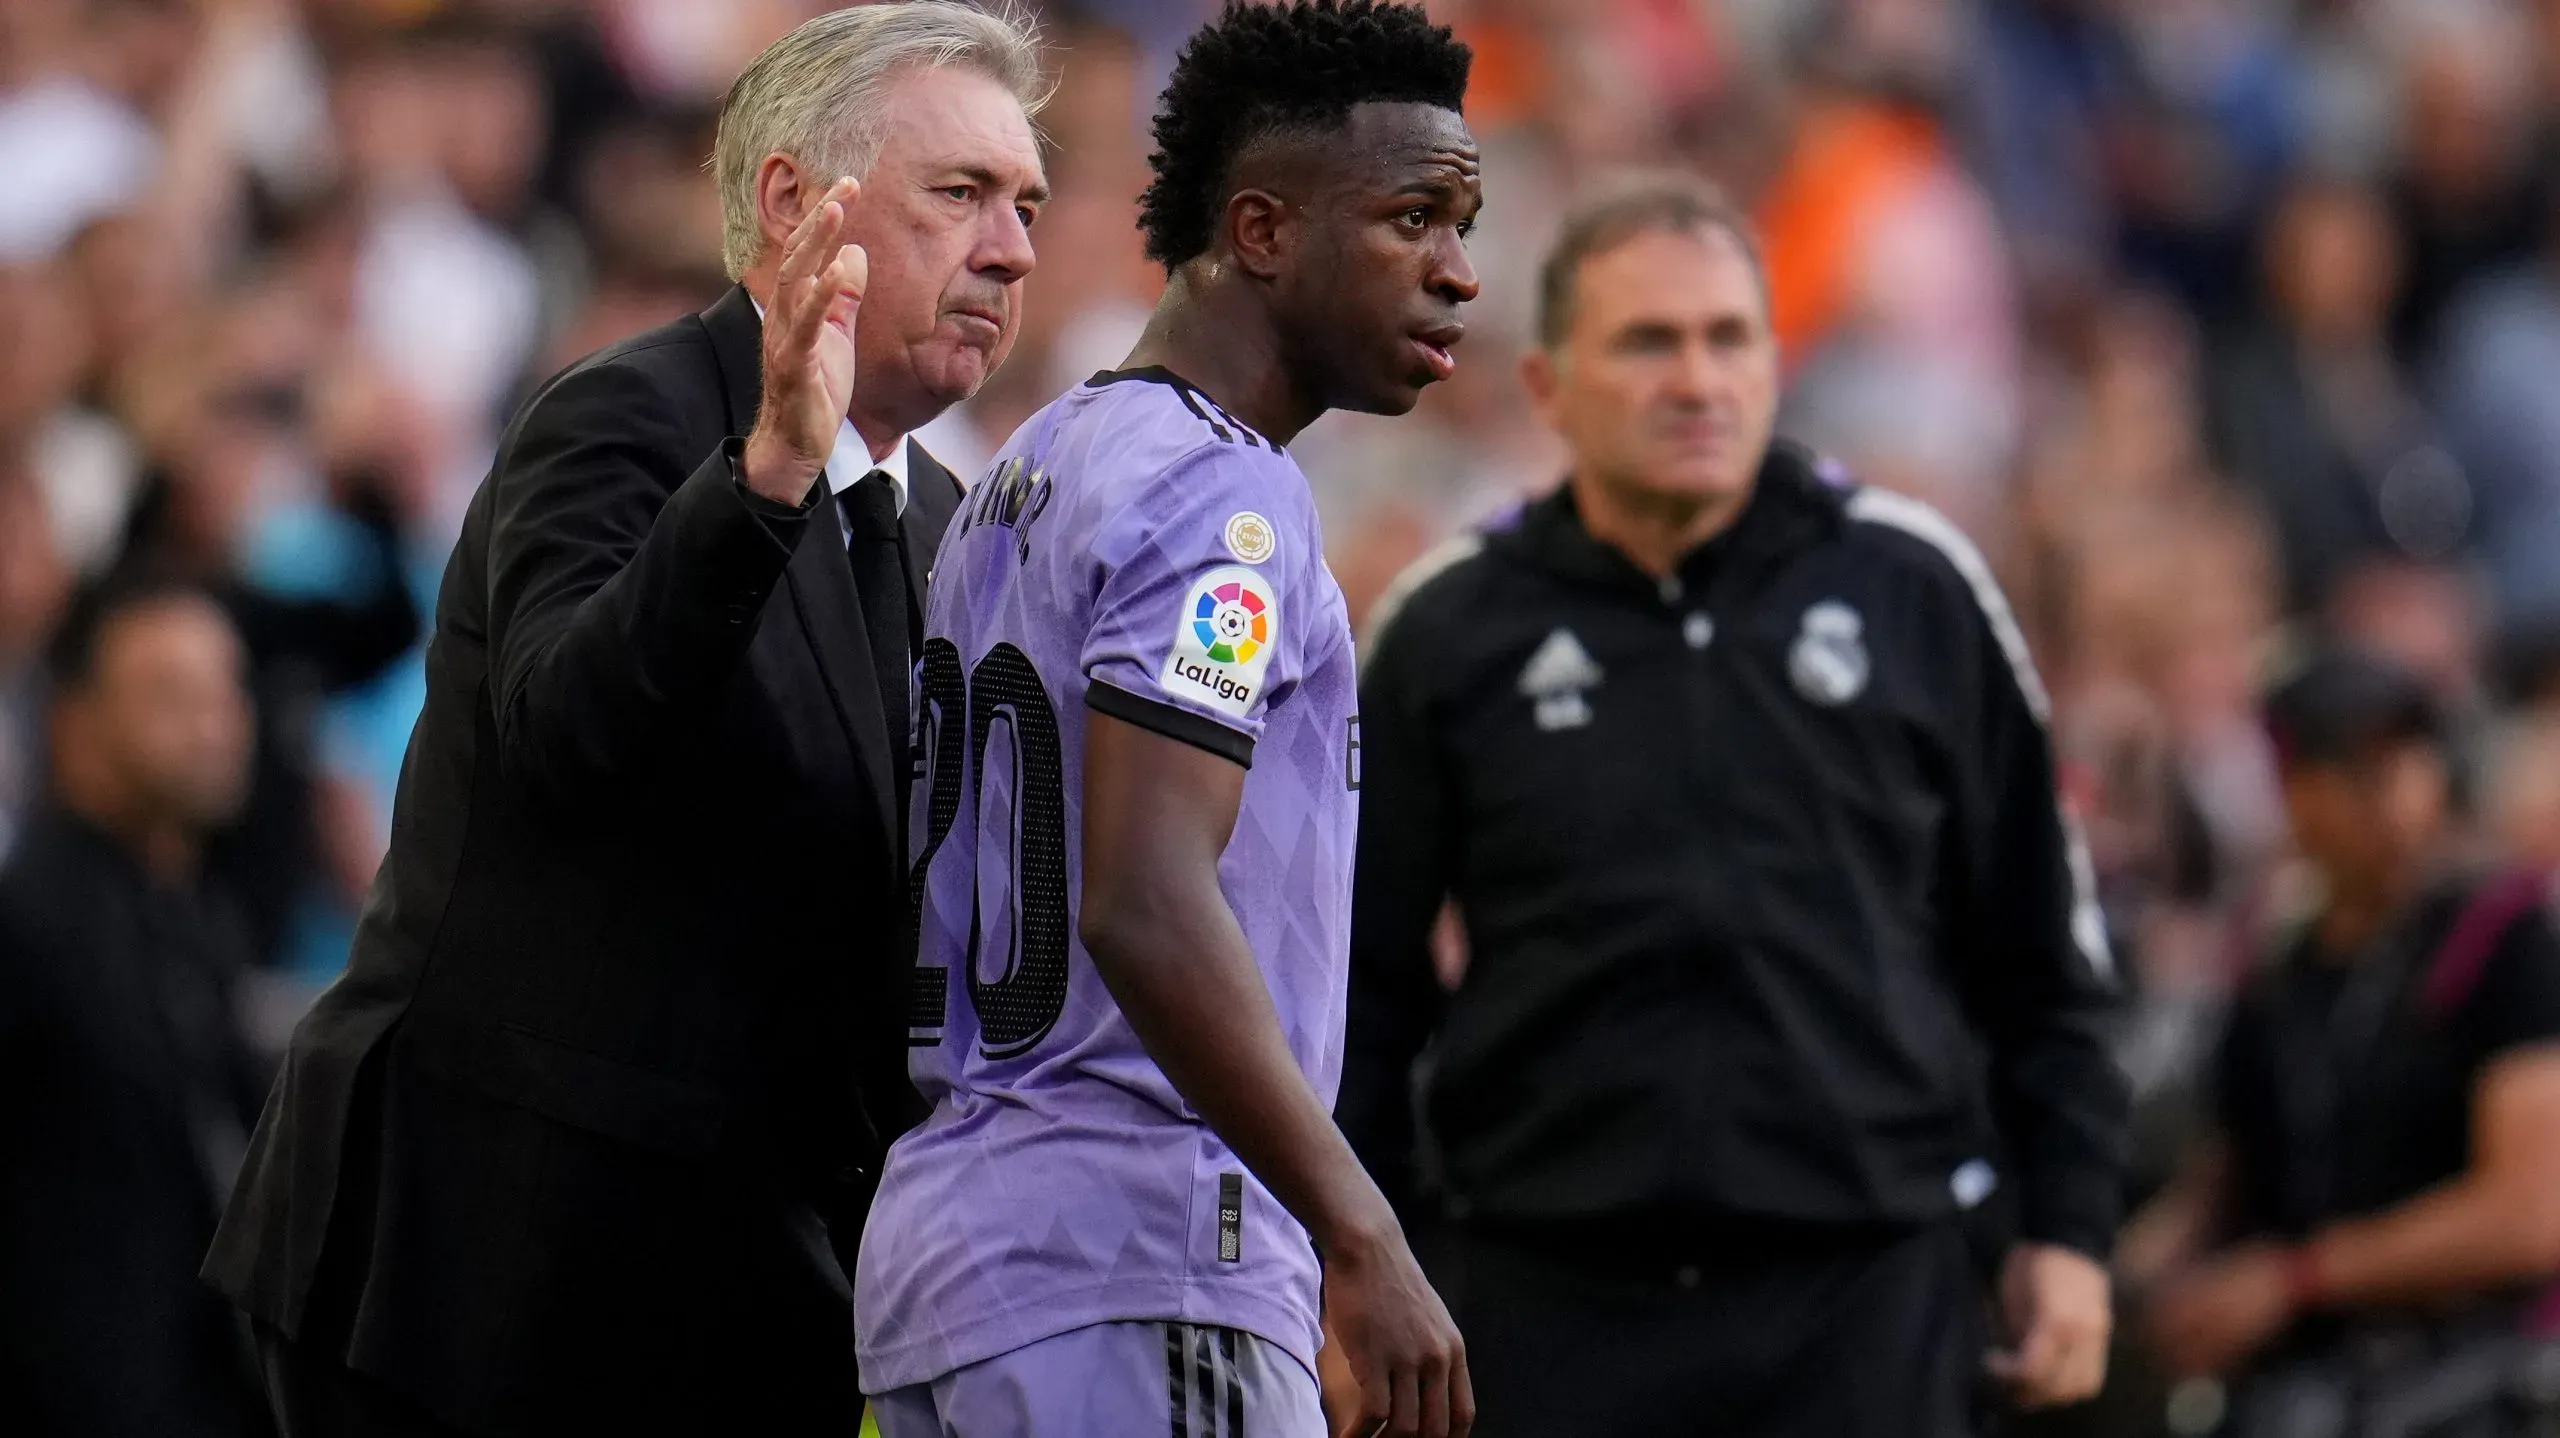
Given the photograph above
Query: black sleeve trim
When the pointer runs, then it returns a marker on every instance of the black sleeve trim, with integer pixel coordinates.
(1170, 721)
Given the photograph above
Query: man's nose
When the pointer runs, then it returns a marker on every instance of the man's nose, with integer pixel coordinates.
(1004, 252)
(1453, 277)
(1696, 375)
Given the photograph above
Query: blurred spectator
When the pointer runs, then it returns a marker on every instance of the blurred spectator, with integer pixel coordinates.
(2044, 83)
(444, 127)
(73, 143)
(2346, 99)
(2495, 383)
(2467, 189)
(2425, 617)
(2205, 140)
(2523, 792)
(1889, 284)
(125, 1089)
(216, 441)
(2313, 411)
(32, 587)
(2369, 1233)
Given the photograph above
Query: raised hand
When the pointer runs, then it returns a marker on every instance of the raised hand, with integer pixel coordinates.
(808, 350)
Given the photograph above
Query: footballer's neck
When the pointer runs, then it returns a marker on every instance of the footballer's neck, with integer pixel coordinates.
(1214, 329)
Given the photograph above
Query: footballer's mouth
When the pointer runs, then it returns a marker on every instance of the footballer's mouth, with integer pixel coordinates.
(1438, 344)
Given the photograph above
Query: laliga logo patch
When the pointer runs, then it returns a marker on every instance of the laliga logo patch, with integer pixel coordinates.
(1223, 639)
(1232, 622)
(1829, 663)
(1250, 537)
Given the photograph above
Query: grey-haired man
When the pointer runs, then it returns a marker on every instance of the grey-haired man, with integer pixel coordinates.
(582, 1140)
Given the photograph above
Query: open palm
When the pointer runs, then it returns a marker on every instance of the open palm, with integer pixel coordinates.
(808, 349)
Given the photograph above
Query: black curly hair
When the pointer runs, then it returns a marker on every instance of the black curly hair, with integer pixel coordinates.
(1262, 68)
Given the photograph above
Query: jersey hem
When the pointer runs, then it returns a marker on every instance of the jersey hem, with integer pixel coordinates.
(904, 1365)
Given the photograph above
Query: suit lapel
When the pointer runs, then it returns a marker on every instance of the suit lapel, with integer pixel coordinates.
(830, 609)
(819, 578)
(933, 496)
(737, 342)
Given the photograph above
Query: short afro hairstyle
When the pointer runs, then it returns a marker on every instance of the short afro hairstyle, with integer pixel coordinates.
(1263, 68)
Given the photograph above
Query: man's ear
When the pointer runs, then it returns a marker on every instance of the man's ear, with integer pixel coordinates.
(1262, 230)
(1539, 372)
(783, 196)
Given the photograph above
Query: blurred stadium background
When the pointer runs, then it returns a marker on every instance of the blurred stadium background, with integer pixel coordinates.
(2218, 323)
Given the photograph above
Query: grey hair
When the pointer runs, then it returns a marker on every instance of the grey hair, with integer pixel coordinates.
(820, 95)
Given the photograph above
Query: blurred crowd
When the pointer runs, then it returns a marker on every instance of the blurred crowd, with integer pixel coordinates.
(2222, 325)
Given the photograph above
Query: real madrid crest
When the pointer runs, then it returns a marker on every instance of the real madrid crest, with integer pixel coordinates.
(1829, 663)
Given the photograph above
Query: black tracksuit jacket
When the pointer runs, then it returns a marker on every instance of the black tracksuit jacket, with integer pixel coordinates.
(1770, 908)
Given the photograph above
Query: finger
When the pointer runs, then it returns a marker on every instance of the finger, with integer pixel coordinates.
(2088, 1375)
(1462, 1398)
(2061, 1379)
(814, 247)
(1377, 1395)
(815, 308)
(828, 301)
(852, 272)
(1377, 1407)
(841, 287)
(2039, 1354)
(799, 255)
(817, 253)
(829, 236)
(1431, 1398)
(1405, 1419)
(2063, 1382)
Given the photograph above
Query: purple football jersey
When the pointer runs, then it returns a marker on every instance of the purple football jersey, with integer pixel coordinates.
(1135, 551)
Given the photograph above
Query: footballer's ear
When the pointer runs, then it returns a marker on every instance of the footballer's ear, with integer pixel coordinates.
(1262, 232)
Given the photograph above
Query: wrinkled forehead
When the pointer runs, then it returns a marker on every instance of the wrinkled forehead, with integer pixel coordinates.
(961, 119)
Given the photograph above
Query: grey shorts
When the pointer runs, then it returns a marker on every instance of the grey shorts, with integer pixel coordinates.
(1117, 1380)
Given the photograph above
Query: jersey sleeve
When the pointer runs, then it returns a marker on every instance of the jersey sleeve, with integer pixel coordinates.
(1199, 629)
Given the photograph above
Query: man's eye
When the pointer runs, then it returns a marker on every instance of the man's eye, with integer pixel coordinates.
(1419, 217)
(1466, 229)
(962, 193)
(1026, 216)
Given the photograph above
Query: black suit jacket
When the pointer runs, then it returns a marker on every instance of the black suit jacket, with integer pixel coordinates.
(580, 1142)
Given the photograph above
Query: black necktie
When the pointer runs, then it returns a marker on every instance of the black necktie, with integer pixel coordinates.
(878, 552)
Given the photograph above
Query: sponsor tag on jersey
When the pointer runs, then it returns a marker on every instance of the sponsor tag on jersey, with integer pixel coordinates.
(1223, 640)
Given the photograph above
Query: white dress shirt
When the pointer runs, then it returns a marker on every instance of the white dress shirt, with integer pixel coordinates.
(851, 460)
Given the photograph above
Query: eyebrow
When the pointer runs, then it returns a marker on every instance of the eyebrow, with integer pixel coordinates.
(1037, 192)
(1439, 183)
